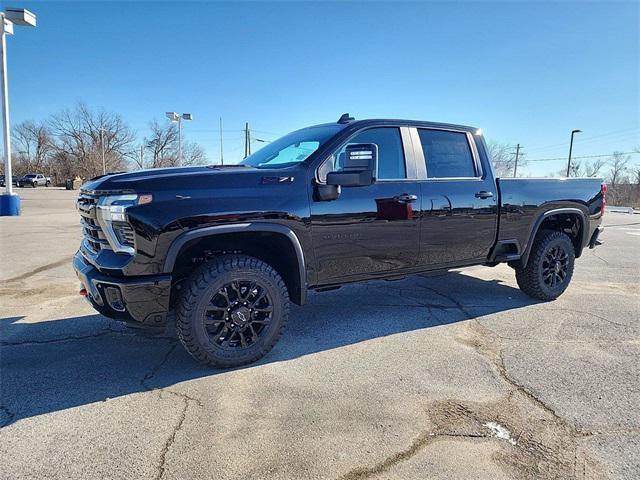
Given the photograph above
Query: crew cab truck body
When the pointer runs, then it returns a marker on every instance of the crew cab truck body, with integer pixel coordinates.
(227, 248)
(34, 180)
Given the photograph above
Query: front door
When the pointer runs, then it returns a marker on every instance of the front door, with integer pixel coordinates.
(370, 230)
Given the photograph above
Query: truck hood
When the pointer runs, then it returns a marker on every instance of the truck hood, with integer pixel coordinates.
(181, 179)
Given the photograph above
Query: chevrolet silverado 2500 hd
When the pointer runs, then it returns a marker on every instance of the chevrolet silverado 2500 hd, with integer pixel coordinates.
(228, 247)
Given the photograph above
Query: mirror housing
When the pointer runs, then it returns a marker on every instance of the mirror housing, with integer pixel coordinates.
(360, 166)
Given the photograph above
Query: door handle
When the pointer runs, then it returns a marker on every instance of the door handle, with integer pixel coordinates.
(405, 198)
(484, 194)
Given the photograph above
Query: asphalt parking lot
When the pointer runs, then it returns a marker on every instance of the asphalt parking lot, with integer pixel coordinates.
(452, 375)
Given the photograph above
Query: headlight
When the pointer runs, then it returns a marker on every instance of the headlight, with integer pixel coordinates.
(113, 209)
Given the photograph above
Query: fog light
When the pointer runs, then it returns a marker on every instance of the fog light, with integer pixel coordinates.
(114, 298)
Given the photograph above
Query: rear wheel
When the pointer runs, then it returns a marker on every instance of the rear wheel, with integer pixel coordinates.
(550, 267)
(232, 312)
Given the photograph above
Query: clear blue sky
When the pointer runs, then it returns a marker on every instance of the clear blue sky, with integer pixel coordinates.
(525, 72)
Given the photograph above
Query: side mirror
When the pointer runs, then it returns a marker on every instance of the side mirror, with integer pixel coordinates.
(360, 166)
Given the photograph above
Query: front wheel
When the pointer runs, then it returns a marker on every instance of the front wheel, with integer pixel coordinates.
(550, 267)
(232, 311)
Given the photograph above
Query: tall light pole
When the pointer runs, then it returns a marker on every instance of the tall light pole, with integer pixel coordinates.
(9, 203)
(104, 164)
(178, 117)
(573, 132)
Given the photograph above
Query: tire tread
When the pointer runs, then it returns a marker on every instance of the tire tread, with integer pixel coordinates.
(528, 279)
(200, 280)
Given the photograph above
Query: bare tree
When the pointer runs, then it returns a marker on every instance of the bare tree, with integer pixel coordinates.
(193, 154)
(592, 169)
(162, 145)
(80, 136)
(162, 148)
(619, 163)
(581, 168)
(503, 158)
(33, 147)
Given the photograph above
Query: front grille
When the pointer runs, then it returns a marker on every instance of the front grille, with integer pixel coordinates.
(124, 233)
(120, 236)
(94, 238)
(93, 235)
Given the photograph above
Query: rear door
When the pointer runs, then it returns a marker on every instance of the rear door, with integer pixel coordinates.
(373, 229)
(459, 201)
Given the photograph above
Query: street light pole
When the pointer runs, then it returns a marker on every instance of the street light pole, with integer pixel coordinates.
(179, 141)
(9, 202)
(5, 110)
(178, 117)
(573, 132)
(104, 164)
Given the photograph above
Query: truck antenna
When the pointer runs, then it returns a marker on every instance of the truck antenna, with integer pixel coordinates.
(345, 118)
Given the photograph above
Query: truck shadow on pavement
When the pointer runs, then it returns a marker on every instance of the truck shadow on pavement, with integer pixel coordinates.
(54, 365)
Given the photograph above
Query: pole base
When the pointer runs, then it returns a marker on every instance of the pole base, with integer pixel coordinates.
(9, 205)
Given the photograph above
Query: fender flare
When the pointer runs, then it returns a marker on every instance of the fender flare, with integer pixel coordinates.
(181, 240)
(541, 218)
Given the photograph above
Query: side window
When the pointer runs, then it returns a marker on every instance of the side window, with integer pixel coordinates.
(447, 154)
(391, 164)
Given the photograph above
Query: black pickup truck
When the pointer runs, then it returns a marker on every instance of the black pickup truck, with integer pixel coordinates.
(228, 247)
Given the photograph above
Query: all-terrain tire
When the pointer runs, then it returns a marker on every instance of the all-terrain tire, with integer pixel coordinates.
(204, 284)
(534, 278)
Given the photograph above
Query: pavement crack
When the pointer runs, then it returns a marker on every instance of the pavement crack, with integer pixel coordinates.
(68, 338)
(528, 394)
(186, 400)
(171, 440)
(593, 252)
(424, 439)
(41, 269)
(152, 373)
(457, 303)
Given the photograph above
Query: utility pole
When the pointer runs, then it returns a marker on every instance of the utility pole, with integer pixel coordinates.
(141, 156)
(515, 168)
(221, 149)
(247, 140)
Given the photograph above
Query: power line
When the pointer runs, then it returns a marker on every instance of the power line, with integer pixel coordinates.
(576, 158)
(626, 132)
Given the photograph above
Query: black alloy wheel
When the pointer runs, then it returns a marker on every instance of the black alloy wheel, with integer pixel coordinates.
(550, 266)
(238, 314)
(232, 311)
(554, 266)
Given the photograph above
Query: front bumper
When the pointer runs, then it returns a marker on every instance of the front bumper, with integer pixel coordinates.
(139, 300)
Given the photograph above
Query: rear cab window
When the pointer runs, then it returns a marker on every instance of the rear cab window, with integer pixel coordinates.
(447, 154)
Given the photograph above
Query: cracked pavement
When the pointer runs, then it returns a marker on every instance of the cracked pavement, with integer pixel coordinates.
(382, 380)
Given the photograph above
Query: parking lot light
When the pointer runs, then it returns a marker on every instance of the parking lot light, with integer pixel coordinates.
(9, 202)
(178, 117)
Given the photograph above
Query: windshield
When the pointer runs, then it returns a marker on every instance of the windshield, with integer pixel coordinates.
(292, 148)
(30, 176)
